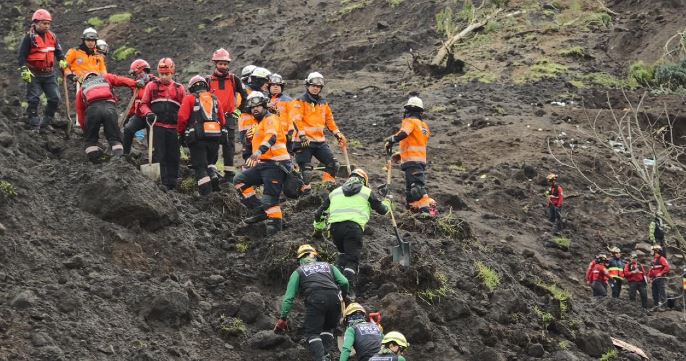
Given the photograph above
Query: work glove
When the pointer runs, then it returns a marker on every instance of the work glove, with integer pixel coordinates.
(387, 202)
(26, 74)
(383, 190)
(281, 326)
(71, 78)
(150, 118)
(140, 83)
(375, 317)
(251, 132)
(319, 226)
(253, 160)
(389, 145)
(395, 158)
(304, 141)
(237, 113)
(342, 141)
(63, 64)
(547, 193)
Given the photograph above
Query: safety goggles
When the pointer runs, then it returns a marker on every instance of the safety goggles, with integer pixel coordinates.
(276, 79)
(317, 81)
(256, 102)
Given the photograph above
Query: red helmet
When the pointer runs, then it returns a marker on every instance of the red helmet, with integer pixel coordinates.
(138, 66)
(41, 15)
(221, 54)
(166, 66)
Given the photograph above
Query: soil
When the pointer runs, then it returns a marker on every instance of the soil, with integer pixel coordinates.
(97, 263)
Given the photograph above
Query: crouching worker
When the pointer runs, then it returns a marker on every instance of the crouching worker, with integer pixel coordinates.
(200, 124)
(362, 336)
(393, 346)
(95, 106)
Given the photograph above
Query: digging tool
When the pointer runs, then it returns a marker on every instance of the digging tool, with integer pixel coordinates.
(70, 122)
(342, 170)
(151, 170)
(347, 160)
(400, 251)
(123, 115)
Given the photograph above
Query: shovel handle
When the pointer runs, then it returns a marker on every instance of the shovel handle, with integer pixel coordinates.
(151, 134)
(389, 170)
(123, 115)
(347, 160)
(70, 123)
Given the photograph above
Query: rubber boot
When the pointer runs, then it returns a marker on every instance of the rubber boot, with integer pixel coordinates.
(228, 177)
(274, 226)
(259, 217)
(205, 189)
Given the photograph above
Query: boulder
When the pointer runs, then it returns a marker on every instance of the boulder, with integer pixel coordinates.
(402, 313)
(24, 299)
(266, 340)
(488, 354)
(171, 309)
(250, 308)
(535, 350)
(594, 343)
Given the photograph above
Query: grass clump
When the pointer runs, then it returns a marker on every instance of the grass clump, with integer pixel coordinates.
(609, 355)
(579, 84)
(8, 189)
(641, 74)
(484, 77)
(120, 18)
(605, 80)
(434, 295)
(574, 52)
(542, 69)
(394, 3)
(445, 22)
(564, 345)
(188, 185)
(355, 144)
(561, 295)
(242, 247)
(562, 243)
(95, 22)
(124, 53)
(544, 317)
(232, 327)
(488, 276)
(450, 226)
(599, 20)
(351, 5)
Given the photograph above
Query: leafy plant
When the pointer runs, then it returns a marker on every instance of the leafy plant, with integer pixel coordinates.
(561, 295)
(188, 185)
(123, 53)
(488, 276)
(120, 18)
(8, 189)
(95, 22)
(544, 317)
(232, 327)
(242, 247)
(395, 3)
(609, 355)
(562, 242)
(564, 344)
(641, 74)
(671, 76)
(433, 295)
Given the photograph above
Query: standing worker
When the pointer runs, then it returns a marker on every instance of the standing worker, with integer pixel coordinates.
(657, 274)
(201, 126)
(161, 100)
(362, 336)
(280, 105)
(39, 52)
(86, 58)
(636, 275)
(320, 284)
(598, 276)
(349, 209)
(393, 345)
(139, 71)
(615, 266)
(554, 198)
(413, 137)
(656, 232)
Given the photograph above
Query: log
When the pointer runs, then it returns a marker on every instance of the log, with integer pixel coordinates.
(101, 8)
(447, 45)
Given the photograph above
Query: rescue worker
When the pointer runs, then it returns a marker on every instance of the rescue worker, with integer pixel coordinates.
(413, 137)
(227, 87)
(259, 81)
(139, 71)
(102, 47)
(280, 105)
(555, 197)
(267, 166)
(311, 114)
(201, 127)
(598, 277)
(39, 52)
(160, 104)
(656, 232)
(348, 208)
(615, 267)
(320, 284)
(361, 335)
(95, 106)
(657, 274)
(245, 74)
(393, 345)
(636, 275)
(86, 58)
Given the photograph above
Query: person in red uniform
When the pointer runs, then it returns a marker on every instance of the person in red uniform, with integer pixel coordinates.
(658, 272)
(555, 198)
(140, 71)
(38, 54)
(635, 274)
(95, 106)
(160, 104)
(227, 87)
(201, 127)
(598, 276)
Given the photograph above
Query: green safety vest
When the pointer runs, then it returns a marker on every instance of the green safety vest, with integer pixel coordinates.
(354, 208)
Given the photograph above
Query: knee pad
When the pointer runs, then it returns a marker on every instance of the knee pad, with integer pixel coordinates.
(269, 200)
(417, 191)
(332, 168)
(306, 171)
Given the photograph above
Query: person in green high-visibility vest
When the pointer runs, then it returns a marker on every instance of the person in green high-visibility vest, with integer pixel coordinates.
(349, 209)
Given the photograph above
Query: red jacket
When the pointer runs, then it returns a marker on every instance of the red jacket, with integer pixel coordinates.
(599, 273)
(163, 100)
(134, 110)
(113, 80)
(589, 269)
(555, 196)
(225, 88)
(659, 268)
(634, 272)
(186, 111)
(41, 56)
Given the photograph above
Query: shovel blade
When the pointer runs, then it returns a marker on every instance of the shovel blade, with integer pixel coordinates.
(152, 171)
(401, 253)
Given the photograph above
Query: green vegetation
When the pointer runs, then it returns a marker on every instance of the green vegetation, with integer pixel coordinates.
(444, 22)
(641, 74)
(95, 22)
(561, 295)
(564, 344)
(123, 53)
(352, 5)
(490, 278)
(394, 3)
(355, 144)
(433, 295)
(188, 185)
(242, 247)
(450, 226)
(579, 84)
(610, 355)
(480, 76)
(573, 52)
(8, 189)
(562, 242)
(604, 80)
(599, 20)
(544, 317)
(671, 76)
(232, 326)
(543, 68)
(14, 34)
(120, 18)
(457, 168)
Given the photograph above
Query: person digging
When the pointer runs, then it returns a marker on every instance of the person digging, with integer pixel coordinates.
(393, 346)
(361, 335)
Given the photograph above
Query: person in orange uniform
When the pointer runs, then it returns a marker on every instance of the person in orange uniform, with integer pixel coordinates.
(267, 165)
(311, 114)
(227, 87)
(160, 104)
(140, 71)
(95, 105)
(86, 58)
(201, 127)
(413, 137)
(280, 105)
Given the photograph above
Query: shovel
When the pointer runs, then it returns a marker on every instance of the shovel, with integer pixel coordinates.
(70, 122)
(400, 251)
(123, 115)
(347, 160)
(151, 170)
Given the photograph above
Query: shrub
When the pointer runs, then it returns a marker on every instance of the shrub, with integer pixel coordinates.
(488, 276)
(641, 74)
(671, 76)
(120, 18)
(609, 355)
(232, 326)
(8, 189)
(394, 3)
(95, 22)
(188, 185)
(123, 53)
(562, 242)
(561, 295)
(575, 52)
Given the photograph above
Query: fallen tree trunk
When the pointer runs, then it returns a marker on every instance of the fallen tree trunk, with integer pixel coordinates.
(447, 45)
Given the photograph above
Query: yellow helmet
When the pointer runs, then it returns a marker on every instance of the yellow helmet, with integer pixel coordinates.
(306, 249)
(361, 174)
(551, 177)
(354, 307)
(397, 337)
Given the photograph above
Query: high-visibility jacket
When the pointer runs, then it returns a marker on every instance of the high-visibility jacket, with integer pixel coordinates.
(192, 108)
(353, 208)
(684, 280)
(311, 116)
(99, 89)
(556, 196)
(283, 104)
(164, 100)
(41, 56)
(226, 88)
(81, 62)
(634, 272)
(659, 268)
(615, 267)
(413, 147)
(599, 273)
(270, 139)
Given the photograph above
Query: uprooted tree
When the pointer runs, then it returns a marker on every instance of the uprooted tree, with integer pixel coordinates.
(645, 164)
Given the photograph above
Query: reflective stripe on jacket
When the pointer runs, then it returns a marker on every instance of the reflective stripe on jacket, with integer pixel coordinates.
(311, 119)
(41, 55)
(413, 147)
(270, 127)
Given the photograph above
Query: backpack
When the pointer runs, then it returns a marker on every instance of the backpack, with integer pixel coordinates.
(292, 185)
(204, 122)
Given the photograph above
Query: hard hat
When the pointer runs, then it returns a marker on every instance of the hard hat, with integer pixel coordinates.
(138, 66)
(102, 46)
(197, 79)
(354, 307)
(221, 54)
(247, 70)
(315, 78)
(261, 73)
(88, 75)
(166, 66)
(601, 256)
(89, 34)
(306, 249)
(256, 98)
(397, 337)
(551, 177)
(360, 174)
(656, 247)
(615, 250)
(414, 102)
(276, 79)
(41, 15)
(634, 255)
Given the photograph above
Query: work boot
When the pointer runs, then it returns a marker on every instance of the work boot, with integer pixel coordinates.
(259, 217)
(46, 125)
(274, 226)
(316, 347)
(228, 176)
(205, 189)
(328, 341)
(352, 282)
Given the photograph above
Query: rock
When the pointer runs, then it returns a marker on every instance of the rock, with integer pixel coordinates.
(75, 262)
(488, 354)
(40, 339)
(215, 279)
(669, 326)
(402, 313)
(24, 299)
(594, 343)
(266, 340)
(67, 301)
(382, 25)
(250, 308)
(6, 139)
(170, 309)
(535, 350)
(455, 309)
(644, 247)
(3, 230)
(117, 194)
(564, 356)
(528, 253)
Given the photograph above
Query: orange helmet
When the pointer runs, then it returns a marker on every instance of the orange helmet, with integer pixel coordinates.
(138, 66)
(41, 15)
(221, 54)
(166, 66)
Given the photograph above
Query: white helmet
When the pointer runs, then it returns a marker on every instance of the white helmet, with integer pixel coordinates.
(261, 73)
(90, 34)
(256, 98)
(315, 78)
(414, 102)
(102, 46)
(247, 70)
